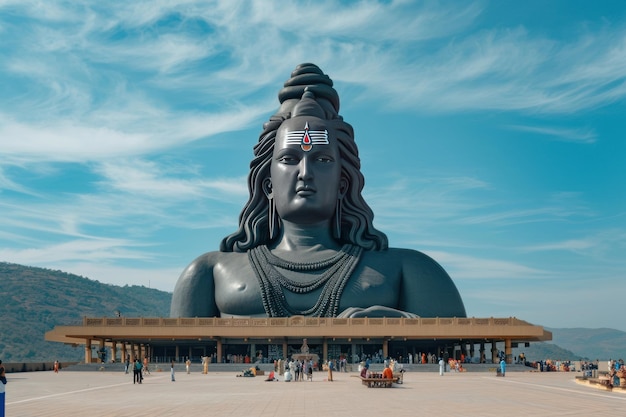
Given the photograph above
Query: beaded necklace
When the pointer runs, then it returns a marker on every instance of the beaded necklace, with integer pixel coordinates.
(338, 269)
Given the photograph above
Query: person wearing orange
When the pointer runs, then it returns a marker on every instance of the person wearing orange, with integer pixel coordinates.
(387, 373)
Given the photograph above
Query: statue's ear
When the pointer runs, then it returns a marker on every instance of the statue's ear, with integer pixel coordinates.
(343, 188)
(267, 187)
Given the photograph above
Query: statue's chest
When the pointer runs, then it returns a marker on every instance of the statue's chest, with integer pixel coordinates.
(240, 292)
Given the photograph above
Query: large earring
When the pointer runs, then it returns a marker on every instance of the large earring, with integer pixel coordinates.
(337, 225)
(271, 216)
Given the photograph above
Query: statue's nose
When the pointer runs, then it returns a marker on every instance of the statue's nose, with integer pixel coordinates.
(305, 172)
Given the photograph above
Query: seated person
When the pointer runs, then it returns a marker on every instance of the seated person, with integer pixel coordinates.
(287, 376)
(364, 371)
(387, 373)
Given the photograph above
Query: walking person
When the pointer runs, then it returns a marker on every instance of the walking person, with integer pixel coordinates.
(172, 372)
(441, 365)
(145, 368)
(205, 365)
(331, 366)
(502, 367)
(187, 365)
(137, 371)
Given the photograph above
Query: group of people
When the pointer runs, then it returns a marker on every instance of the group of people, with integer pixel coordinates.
(138, 367)
(295, 370)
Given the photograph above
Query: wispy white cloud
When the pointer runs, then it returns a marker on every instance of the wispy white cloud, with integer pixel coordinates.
(602, 244)
(69, 141)
(461, 266)
(584, 135)
(159, 180)
(504, 69)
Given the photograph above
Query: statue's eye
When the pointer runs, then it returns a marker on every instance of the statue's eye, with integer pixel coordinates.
(324, 159)
(287, 159)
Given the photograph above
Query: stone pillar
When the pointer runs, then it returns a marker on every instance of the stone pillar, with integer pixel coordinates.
(494, 352)
(252, 352)
(177, 354)
(113, 351)
(481, 350)
(324, 350)
(353, 352)
(124, 352)
(87, 350)
(189, 353)
(508, 351)
(102, 347)
(219, 350)
(385, 348)
(285, 348)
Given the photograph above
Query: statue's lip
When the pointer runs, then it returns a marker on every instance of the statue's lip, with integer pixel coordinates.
(305, 190)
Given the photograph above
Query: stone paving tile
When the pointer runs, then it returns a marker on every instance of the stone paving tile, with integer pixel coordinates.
(95, 394)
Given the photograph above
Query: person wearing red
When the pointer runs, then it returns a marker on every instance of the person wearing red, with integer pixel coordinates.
(387, 373)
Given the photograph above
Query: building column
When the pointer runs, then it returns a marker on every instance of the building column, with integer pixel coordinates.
(123, 352)
(113, 350)
(177, 354)
(87, 350)
(189, 353)
(252, 352)
(324, 349)
(102, 347)
(508, 351)
(219, 350)
(494, 352)
(385, 348)
(285, 348)
(481, 351)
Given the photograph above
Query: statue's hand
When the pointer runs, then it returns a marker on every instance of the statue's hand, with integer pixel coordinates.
(375, 311)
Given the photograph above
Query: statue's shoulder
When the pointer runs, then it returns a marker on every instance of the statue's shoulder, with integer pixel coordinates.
(410, 259)
(210, 259)
(203, 265)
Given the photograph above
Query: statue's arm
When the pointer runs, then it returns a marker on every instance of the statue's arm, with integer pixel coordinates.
(427, 290)
(194, 294)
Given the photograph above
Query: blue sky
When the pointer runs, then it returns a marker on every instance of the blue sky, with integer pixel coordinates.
(491, 136)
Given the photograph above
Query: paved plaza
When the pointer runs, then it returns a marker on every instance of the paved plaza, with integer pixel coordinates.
(93, 394)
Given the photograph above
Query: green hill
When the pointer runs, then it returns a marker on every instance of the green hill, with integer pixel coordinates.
(34, 300)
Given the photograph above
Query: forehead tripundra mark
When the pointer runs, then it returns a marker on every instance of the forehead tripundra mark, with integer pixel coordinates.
(306, 138)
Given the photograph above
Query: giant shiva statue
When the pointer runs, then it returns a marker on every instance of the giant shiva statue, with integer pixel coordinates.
(306, 244)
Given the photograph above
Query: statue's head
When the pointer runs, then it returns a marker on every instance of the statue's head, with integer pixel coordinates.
(307, 124)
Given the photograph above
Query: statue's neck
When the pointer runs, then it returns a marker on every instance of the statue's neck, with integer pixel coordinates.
(306, 238)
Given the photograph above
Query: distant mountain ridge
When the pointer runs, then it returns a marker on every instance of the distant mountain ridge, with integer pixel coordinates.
(603, 343)
(34, 300)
